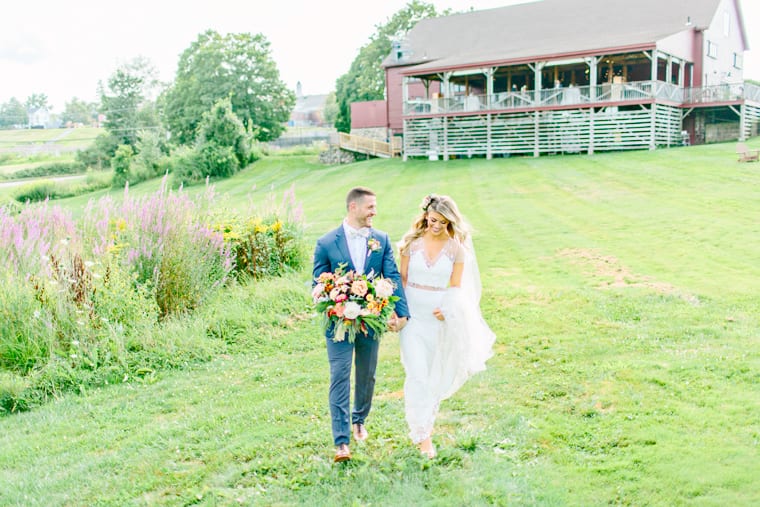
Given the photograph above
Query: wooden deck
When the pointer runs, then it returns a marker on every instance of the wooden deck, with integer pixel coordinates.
(621, 116)
(369, 146)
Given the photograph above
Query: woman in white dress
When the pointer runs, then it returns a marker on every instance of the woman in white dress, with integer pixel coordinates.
(446, 339)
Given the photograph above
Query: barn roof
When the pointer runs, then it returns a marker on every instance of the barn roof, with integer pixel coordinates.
(548, 28)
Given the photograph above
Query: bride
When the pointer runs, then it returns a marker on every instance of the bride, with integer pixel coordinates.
(446, 339)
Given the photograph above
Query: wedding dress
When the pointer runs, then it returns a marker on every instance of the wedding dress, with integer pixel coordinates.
(439, 356)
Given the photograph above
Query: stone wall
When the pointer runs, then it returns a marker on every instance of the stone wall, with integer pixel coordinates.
(336, 156)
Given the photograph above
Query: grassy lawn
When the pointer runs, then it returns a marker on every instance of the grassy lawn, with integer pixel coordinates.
(8, 138)
(623, 291)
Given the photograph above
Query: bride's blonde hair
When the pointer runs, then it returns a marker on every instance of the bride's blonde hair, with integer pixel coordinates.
(445, 206)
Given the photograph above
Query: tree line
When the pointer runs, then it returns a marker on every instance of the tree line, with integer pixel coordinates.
(238, 67)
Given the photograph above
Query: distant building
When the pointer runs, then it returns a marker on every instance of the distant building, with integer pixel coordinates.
(39, 118)
(308, 111)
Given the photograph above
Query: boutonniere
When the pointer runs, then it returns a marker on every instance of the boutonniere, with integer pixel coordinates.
(373, 245)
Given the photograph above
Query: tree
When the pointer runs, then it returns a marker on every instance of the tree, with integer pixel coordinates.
(13, 114)
(126, 100)
(331, 109)
(365, 80)
(79, 111)
(36, 101)
(234, 66)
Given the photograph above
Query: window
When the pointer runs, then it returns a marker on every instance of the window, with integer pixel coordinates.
(726, 24)
(712, 49)
(738, 60)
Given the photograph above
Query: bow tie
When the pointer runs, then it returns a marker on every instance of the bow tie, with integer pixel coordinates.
(361, 233)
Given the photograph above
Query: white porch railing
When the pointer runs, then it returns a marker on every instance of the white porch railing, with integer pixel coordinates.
(580, 95)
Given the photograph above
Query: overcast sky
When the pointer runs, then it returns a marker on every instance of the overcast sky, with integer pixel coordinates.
(63, 48)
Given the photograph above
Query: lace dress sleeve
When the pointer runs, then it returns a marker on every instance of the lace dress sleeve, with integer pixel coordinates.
(459, 253)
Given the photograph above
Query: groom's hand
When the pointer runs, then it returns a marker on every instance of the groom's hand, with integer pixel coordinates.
(400, 323)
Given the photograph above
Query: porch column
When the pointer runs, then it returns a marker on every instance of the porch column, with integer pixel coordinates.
(489, 85)
(591, 131)
(537, 68)
(405, 90)
(591, 62)
(653, 111)
(669, 70)
(742, 122)
(489, 94)
(489, 155)
(445, 138)
(592, 72)
(681, 73)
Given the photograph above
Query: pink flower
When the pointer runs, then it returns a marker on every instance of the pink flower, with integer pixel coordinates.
(359, 287)
(317, 291)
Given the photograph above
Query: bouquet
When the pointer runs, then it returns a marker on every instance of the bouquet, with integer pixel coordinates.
(353, 303)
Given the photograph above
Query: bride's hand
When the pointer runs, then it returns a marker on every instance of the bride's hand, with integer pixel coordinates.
(438, 314)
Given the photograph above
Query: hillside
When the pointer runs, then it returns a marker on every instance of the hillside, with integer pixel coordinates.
(623, 291)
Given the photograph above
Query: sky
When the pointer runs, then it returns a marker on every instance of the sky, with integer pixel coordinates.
(62, 49)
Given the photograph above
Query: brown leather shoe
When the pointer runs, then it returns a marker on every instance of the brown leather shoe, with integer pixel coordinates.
(342, 453)
(360, 432)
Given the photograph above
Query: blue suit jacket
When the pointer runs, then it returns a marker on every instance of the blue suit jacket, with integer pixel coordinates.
(332, 251)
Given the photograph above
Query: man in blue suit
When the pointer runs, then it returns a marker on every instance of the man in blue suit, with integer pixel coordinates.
(349, 244)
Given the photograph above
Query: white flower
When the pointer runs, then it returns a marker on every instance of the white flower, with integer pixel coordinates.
(89, 264)
(383, 288)
(352, 310)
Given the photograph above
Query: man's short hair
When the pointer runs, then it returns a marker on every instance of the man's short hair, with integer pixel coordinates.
(356, 194)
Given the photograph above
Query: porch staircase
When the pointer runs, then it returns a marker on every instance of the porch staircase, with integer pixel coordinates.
(369, 146)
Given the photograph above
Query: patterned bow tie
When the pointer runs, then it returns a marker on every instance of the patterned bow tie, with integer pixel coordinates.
(361, 233)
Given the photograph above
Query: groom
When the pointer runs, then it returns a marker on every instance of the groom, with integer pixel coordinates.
(348, 244)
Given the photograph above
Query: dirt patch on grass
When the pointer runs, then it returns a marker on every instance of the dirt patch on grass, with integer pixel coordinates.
(611, 273)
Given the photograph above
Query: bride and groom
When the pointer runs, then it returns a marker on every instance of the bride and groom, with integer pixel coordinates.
(443, 337)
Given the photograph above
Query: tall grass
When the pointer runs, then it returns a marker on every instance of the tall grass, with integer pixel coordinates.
(86, 298)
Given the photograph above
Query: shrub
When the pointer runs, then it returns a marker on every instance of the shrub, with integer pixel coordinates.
(55, 168)
(47, 189)
(36, 191)
(186, 166)
(151, 159)
(121, 162)
(99, 155)
(270, 243)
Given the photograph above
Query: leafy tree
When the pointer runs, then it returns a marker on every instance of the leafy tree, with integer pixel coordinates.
(223, 146)
(234, 66)
(127, 100)
(331, 109)
(36, 101)
(121, 162)
(13, 113)
(365, 80)
(79, 111)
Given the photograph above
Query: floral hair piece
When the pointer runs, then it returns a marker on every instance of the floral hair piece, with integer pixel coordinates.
(427, 201)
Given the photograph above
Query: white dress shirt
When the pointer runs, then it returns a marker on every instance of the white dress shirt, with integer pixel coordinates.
(357, 245)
